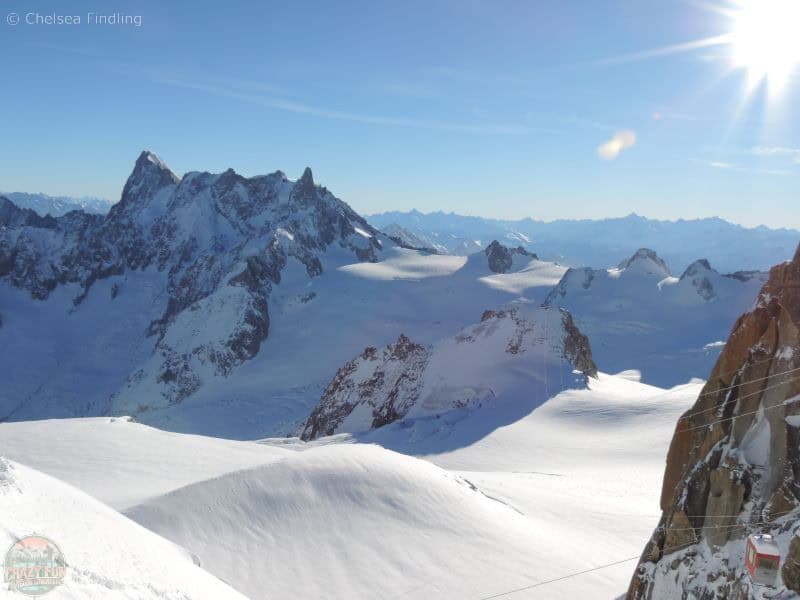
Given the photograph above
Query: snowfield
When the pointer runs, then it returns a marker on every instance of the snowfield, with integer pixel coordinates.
(124, 463)
(108, 556)
(491, 502)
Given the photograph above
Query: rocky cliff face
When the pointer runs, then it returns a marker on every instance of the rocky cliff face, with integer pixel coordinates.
(210, 247)
(733, 466)
(501, 258)
(510, 354)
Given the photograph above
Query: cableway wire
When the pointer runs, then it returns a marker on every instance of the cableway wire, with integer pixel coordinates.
(664, 551)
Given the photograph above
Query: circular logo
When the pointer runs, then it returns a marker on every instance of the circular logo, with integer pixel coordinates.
(34, 566)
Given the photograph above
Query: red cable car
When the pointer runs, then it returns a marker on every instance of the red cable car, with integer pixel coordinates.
(763, 558)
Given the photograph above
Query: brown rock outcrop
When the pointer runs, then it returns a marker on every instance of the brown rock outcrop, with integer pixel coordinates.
(791, 566)
(734, 458)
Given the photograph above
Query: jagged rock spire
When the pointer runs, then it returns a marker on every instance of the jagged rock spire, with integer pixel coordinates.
(305, 186)
(149, 175)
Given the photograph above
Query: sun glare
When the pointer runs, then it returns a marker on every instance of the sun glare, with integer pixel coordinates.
(766, 39)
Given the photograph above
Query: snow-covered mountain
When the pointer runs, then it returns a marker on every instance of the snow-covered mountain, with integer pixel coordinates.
(600, 243)
(56, 206)
(733, 461)
(197, 303)
(522, 352)
(218, 304)
(638, 315)
(409, 239)
(175, 281)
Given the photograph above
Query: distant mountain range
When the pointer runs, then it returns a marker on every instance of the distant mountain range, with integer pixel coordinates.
(56, 206)
(220, 304)
(729, 247)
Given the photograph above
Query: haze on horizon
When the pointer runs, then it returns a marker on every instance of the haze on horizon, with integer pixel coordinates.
(524, 111)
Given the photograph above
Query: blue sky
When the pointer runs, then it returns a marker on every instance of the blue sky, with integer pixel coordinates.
(494, 108)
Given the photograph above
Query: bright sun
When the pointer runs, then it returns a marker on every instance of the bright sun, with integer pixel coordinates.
(766, 39)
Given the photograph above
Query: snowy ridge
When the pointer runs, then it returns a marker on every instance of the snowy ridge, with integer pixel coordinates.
(211, 248)
(409, 239)
(350, 521)
(108, 556)
(504, 506)
(56, 206)
(522, 352)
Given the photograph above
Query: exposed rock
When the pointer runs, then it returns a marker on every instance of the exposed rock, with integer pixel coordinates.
(791, 566)
(725, 497)
(744, 275)
(680, 532)
(734, 458)
(305, 187)
(388, 384)
(217, 243)
(576, 346)
(13, 216)
(700, 274)
(647, 259)
(501, 258)
(406, 379)
(413, 241)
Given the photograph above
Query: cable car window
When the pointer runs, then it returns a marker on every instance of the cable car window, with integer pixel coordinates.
(767, 563)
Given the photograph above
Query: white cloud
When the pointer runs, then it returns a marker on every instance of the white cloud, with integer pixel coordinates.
(718, 164)
(622, 140)
(793, 153)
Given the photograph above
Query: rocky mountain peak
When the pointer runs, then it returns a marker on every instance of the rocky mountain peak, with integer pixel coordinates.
(404, 347)
(212, 243)
(150, 174)
(305, 186)
(647, 259)
(700, 275)
(697, 267)
(501, 258)
(783, 288)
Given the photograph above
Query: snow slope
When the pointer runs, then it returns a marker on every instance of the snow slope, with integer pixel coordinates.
(351, 521)
(318, 325)
(524, 352)
(504, 498)
(125, 463)
(412, 240)
(108, 556)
